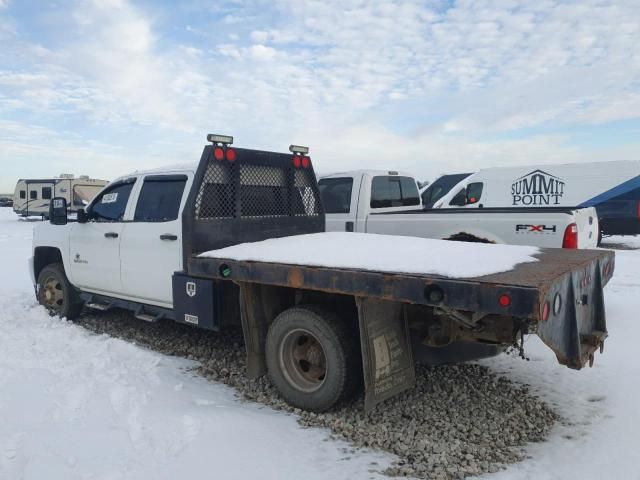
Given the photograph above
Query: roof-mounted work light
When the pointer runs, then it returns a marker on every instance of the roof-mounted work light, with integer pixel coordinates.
(298, 149)
(223, 139)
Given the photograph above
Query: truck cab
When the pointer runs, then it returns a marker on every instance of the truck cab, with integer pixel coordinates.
(128, 239)
(348, 197)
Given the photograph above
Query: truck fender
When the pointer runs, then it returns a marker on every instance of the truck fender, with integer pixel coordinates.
(43, 256)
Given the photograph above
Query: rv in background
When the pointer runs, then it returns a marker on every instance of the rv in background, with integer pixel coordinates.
(32, 196)
(613, 188)
(440, 188)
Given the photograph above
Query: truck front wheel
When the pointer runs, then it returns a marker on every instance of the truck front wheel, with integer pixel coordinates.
(56, 294)
(312, 358)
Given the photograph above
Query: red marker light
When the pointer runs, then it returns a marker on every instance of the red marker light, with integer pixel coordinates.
(218, 153)
(504, 300)
(296, 161)
(545, 312)
(231, 154)
(306, 161)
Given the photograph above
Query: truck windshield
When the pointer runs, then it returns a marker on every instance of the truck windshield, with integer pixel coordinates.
(336, 194)
(440, 188)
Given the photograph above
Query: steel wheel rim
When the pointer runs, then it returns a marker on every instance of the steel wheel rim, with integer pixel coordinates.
(302, 360)
(52, 293)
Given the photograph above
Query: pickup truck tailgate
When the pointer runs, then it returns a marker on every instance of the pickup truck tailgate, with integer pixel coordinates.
(588, 227)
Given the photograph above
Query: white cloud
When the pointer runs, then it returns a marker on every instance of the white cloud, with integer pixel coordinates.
(260, 52)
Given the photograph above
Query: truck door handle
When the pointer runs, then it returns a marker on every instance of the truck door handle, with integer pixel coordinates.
(348, 227)
(168, 236)
(111, 235)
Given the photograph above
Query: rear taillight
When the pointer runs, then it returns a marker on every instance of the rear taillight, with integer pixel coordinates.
(306, 161)
(296, 161)
(218, 153)
(638, 210)
(231, 154)
(570, 239)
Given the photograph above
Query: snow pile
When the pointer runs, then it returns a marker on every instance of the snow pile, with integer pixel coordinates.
(382, 253)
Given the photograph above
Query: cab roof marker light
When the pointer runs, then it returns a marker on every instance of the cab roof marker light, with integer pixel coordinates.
(298, 149)
(224, 139)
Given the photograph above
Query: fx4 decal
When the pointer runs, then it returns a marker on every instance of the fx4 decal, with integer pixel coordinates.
(524, 228)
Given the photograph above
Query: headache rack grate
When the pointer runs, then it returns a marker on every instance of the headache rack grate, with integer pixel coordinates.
(216, 197)
(263, 191)
(307, 203)
(253, 189)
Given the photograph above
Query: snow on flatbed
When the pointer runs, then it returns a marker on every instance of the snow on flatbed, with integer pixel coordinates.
(382, 253)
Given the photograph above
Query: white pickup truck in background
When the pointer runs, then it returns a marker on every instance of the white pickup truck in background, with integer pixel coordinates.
(387, 202)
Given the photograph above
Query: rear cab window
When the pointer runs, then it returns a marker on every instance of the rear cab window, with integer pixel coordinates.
(336, 194)
(394, 191)
(160, 198)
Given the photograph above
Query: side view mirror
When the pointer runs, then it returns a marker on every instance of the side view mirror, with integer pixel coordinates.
(58, 211)
(83, 216)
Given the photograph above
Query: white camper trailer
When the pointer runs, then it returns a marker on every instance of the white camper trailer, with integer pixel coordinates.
(32, 196)
(613, 188)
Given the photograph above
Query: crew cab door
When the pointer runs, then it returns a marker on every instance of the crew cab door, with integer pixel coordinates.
(150, 249)
(94, 246)
(340, 200)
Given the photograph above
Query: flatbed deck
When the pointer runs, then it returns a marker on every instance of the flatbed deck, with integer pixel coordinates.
(529, 282)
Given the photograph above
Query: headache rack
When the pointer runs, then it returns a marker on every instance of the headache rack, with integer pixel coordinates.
(242, 195)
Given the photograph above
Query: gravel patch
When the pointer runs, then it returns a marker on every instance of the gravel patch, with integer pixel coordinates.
(459, 421)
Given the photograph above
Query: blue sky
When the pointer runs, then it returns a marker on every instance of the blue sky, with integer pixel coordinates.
(106, 87)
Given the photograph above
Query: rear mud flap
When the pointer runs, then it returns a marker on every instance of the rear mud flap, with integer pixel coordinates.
(254, 327)
(578, 328)
(386, 350)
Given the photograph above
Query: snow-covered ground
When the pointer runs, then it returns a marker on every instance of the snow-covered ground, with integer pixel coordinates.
(75, 405)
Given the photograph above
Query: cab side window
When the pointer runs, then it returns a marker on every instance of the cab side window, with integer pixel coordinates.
(474, 192)
(392, 191)
(111, 204)
(160, 197)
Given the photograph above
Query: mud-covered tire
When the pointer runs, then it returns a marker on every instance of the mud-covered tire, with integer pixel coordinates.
(304, 335)
(56, 294)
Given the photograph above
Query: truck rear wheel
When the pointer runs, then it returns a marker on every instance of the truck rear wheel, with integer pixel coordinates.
(312, 358)
(56, 294)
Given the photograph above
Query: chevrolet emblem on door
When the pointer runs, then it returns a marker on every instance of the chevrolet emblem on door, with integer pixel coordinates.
(191, 289)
